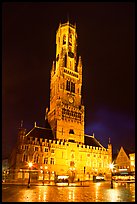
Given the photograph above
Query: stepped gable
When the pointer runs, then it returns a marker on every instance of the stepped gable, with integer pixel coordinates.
(91, 141)
(40, 132)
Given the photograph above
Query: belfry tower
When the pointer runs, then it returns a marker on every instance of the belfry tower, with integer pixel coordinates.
(66, 114)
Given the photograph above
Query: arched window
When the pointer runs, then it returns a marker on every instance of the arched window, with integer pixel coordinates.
(65, 60)
(68, 85)
(64, 39)
(72, 87)
(70, 39)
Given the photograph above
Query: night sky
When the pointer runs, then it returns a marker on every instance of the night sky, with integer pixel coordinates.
(106, 38)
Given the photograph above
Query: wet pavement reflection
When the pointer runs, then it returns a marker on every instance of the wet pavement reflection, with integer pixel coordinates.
(95, 192)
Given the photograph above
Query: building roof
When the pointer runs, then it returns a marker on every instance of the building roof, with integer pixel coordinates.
(46, 133)
(40, 132)
(91, 141)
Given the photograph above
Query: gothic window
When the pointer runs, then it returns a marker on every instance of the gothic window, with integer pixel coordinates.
(36, 149)
(52, 161)
(52, 150)
(26, 147)
(64, 39)
(46, 160)
(70, 39)
(72, 87)
(68, 86)
(65, 60)
(46, 149)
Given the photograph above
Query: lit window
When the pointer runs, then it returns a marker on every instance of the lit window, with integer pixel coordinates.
(36, 148)
(46, 149)
(64, 39)
(26, 147)
(52, 161)
(68, 86)
(72, 87)
(46, 160)
(52, 150)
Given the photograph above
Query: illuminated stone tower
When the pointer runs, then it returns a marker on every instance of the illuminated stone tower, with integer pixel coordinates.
(66, 114)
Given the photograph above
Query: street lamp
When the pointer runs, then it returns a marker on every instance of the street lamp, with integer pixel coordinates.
(30, 165)
(111, 166)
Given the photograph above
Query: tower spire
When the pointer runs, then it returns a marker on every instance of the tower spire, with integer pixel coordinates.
(21, 124)
(46, 114)
(80, 65)
(53, 68)
(109, 140)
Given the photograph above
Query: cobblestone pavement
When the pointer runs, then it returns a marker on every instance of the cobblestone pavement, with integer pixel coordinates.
(95, 192)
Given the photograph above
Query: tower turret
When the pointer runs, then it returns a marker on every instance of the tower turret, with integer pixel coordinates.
(110, 152)
(21, 133)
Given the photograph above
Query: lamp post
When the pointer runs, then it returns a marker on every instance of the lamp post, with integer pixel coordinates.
(111, 168)
(30, 165)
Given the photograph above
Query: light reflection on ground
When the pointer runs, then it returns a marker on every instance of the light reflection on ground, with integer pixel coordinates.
(96, 192)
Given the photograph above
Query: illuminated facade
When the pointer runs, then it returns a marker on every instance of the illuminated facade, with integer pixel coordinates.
(62, 147)
(66, 115)
(125, 161)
